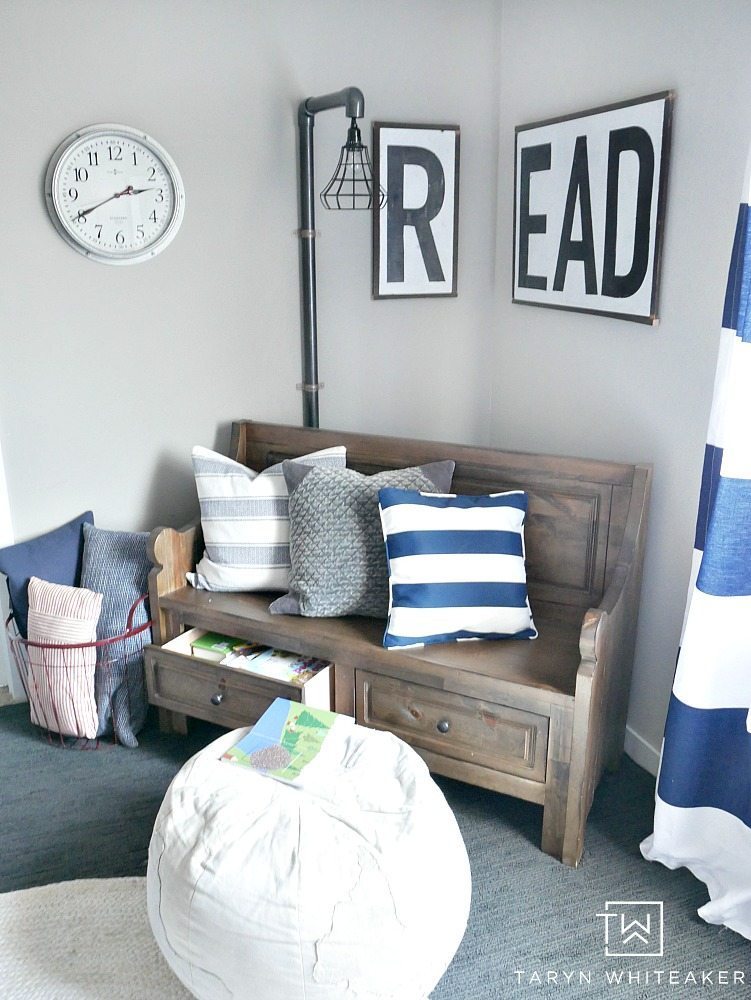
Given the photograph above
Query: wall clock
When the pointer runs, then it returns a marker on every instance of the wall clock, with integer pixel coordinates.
(114, 194)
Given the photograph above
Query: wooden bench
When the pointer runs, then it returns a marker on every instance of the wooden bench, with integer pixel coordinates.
(534, 719)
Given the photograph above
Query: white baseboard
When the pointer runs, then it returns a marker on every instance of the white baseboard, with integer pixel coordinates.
(641, 752)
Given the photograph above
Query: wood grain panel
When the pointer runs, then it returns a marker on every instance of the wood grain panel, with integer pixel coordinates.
(569, 519)
(187, 684)
(484, 777)
(464, 728)
(538, 719)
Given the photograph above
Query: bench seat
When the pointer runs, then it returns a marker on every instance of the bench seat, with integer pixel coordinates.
(537, 719)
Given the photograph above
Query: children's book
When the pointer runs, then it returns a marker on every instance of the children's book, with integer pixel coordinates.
(286, 739)
(213, 646)
(276, 664)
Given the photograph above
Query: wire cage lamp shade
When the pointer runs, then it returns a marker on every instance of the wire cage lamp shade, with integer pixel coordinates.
(352, 185)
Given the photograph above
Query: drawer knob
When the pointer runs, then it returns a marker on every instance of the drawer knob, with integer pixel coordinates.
(443, 726)
(217, 699)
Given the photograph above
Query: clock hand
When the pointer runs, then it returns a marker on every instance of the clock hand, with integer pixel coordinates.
(117, 194)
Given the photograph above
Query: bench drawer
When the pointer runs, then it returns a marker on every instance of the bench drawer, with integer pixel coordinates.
(224, 695)
(454, 725)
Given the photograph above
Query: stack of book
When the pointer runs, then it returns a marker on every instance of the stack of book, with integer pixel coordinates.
(275, 663)
(213, 646)
(304, 672)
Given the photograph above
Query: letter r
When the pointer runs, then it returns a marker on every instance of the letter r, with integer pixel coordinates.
(398, 217)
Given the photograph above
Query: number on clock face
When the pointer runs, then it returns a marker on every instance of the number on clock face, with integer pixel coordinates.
(115, 195)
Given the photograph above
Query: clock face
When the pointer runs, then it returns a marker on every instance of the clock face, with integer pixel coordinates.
(114, 194)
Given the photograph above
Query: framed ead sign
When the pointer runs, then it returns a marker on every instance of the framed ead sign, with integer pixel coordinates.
(589, 209)
(415, 231)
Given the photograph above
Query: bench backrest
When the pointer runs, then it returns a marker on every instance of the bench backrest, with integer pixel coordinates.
(578, 508)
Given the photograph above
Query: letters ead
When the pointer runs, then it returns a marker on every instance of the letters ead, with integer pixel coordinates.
(589, 209)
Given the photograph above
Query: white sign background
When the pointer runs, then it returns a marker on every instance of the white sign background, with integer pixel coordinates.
(443, 143)
(547, 196)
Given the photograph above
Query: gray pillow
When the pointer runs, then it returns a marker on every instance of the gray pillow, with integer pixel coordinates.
(337, 552)
(116, 564)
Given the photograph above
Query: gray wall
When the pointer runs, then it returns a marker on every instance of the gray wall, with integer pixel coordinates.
(577, 384)
(109, 375)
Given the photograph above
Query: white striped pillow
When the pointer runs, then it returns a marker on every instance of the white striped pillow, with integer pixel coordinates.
(456, 567)
(245, 521)
(61, 681)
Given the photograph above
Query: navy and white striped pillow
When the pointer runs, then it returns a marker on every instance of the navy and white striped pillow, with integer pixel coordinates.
(245, 520)
(456, 567)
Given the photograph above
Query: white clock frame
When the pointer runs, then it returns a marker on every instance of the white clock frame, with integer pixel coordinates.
(143, 239)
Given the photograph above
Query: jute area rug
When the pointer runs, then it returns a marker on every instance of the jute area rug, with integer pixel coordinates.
(82, 940)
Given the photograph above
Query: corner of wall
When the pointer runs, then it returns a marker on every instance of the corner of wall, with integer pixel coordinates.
(641, 752)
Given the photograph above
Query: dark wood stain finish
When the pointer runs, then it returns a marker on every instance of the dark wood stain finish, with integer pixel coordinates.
(538, 720)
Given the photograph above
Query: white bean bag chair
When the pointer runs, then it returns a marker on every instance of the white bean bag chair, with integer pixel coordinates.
(354, 884)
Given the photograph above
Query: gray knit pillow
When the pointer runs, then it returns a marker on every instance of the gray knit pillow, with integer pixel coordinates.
(337, 551)
(116, 564)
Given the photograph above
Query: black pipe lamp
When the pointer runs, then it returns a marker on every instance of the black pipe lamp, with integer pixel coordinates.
(351, 187)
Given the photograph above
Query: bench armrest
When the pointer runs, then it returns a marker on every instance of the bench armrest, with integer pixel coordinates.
(619, 604)
(173, 553)
(606, 645)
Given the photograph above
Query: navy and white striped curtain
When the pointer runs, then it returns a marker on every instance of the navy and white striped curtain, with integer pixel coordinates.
(703, 809)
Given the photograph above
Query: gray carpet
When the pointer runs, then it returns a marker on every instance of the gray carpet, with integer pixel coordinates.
(70, 814)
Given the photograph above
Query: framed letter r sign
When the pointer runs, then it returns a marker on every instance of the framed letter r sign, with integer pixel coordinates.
(415, 231)
(589, 209)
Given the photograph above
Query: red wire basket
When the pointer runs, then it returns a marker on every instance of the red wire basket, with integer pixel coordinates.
(65, 683)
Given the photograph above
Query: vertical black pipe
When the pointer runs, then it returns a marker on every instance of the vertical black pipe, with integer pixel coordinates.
(308, 272)
(352, 100)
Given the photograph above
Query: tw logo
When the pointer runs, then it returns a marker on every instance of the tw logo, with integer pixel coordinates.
(633, 928)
